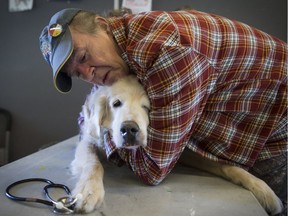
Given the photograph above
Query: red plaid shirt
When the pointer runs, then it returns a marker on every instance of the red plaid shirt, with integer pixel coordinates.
(216, 86)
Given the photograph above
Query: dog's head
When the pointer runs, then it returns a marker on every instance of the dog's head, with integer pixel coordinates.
(123, 109)
(129, 107)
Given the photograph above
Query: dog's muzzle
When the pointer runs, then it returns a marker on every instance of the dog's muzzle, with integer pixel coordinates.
(129, 131)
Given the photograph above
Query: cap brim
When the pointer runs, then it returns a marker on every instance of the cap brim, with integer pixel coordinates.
(62, 82)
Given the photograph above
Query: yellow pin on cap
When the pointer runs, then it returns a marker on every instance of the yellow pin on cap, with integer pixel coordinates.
(55, 30)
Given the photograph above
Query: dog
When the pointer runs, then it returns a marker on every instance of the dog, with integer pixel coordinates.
(123, 110)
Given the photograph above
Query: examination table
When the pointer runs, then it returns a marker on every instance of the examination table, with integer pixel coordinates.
(185, 191)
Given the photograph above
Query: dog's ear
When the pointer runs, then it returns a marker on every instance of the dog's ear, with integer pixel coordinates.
(96, 115)
(104, 112)
(95, 107)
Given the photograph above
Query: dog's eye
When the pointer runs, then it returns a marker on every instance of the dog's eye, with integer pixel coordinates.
(146, 108)
(117, 103)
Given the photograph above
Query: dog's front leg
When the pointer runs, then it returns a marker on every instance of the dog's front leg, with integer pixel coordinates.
(89, 172)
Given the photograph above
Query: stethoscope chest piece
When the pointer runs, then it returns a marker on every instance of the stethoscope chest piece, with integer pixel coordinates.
(69, 204)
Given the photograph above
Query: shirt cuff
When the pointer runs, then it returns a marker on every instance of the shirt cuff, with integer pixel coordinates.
(111, 150)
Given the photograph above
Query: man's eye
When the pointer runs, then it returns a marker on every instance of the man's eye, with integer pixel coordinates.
(83, 59)
(117, 103)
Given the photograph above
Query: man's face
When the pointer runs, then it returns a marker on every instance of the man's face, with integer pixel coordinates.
(95, 59)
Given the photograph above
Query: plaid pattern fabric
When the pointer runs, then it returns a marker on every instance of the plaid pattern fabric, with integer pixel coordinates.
(216, 86)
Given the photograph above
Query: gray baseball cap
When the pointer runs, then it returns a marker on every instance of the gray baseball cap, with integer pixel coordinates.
(56, 46)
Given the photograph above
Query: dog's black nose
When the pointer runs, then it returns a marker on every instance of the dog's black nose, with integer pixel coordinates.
(129, 131)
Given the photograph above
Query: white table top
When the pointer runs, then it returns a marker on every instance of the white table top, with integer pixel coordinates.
(185, 191)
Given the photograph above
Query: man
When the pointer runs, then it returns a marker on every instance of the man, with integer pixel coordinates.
(217, 87)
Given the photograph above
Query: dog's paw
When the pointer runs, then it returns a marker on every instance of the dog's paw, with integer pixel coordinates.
(267, 198)
(90, 196)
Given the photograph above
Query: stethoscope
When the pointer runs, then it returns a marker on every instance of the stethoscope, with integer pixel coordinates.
(64, 205)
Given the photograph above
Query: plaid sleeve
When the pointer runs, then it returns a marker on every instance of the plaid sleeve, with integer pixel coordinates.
(195, 67)
(176, 96)
(176, 100)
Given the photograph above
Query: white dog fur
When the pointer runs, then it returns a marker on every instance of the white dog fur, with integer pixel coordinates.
(107, 108)
(126, 101)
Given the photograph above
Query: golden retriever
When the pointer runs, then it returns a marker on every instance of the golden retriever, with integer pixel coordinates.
(122, 109)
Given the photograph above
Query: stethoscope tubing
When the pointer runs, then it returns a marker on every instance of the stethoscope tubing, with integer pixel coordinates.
(49, 183)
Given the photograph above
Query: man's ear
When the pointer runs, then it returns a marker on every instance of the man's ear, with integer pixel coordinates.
(103, 23)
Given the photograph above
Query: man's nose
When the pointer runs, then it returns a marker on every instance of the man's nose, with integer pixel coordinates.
(86, 72)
